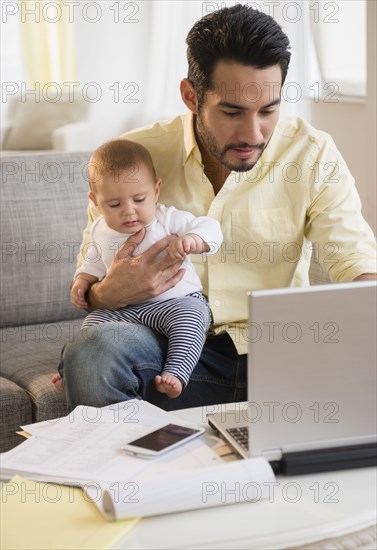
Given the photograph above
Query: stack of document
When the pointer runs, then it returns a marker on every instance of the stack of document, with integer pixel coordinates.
(84, 449)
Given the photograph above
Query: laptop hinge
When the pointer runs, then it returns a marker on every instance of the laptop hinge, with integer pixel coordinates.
(272, 454)
(326, 460)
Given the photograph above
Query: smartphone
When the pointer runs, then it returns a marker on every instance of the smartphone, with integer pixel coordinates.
(164, 439)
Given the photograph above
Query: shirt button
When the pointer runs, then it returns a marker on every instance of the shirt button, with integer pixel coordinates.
(217, 303)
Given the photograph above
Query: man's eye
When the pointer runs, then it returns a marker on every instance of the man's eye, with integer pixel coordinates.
(232, 113)
(266, 113)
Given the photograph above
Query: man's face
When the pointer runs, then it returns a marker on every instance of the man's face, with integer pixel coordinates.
(239, 115)
(127, 200)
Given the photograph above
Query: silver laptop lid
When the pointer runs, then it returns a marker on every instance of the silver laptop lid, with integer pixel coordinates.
(312, 368)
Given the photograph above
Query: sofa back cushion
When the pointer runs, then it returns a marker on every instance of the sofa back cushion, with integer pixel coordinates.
(35, 121)
(43, 214)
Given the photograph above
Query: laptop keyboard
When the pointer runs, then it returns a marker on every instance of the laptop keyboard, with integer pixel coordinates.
(241, 435)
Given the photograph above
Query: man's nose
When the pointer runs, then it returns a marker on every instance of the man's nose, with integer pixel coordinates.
(249, 131)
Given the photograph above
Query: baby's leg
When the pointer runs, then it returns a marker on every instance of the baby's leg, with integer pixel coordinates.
(185, 322)
(99, 316)
(57, 380)
(169, 384)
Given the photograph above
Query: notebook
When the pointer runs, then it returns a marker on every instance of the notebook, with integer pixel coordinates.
(311, 379)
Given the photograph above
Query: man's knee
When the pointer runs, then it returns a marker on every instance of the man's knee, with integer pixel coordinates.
(103, 336)
(111, 343)
(96, 368)
(87, 348)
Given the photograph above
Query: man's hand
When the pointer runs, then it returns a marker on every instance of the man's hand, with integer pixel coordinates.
(366, 277)
(135, 279)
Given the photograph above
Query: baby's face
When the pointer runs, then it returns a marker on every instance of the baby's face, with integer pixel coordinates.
(127, 201)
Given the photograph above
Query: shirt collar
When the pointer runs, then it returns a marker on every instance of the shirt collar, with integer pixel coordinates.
(190, 143)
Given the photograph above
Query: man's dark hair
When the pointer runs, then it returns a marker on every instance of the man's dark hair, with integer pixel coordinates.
(239, 33)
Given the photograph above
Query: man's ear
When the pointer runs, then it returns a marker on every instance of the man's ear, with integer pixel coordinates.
(188, 95)
(92, 198)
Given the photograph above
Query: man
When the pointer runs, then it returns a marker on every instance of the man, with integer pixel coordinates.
(273, 185)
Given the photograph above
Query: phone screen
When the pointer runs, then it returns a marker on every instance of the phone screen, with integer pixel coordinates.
(163, 437)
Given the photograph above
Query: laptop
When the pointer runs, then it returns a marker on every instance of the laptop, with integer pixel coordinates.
(311, 379)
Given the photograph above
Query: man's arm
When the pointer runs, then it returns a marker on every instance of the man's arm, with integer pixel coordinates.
(135, 279)
(345, 242)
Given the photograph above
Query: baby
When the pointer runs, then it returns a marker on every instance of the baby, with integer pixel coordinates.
(125, 189)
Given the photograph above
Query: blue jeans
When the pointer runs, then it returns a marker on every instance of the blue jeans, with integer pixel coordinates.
(113, 362)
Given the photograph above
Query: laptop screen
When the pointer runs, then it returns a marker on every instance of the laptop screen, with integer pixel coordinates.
(312, 368)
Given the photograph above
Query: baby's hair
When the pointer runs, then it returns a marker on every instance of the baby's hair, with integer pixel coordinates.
(116, 157)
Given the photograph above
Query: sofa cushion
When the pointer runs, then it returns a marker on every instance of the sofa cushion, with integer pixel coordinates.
(15, 410)
(30, 356)
(43, 214)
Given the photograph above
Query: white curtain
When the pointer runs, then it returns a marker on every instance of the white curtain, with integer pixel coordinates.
(48, 41)
(170, 21)
(293, 19)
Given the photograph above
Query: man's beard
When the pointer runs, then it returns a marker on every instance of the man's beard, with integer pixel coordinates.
(212, 147)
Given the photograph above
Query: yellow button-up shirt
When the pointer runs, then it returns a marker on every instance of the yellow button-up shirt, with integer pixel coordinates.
(300, 190)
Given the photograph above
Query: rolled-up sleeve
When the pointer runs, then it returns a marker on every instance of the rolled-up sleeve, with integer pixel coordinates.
(343, 241)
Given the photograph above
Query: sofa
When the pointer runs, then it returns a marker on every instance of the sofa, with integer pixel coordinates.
(43, 212)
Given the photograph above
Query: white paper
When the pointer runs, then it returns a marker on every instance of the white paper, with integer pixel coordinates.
(85, 446)
(227, 483)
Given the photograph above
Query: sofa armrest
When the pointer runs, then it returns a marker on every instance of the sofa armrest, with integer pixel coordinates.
(76, 136)
(4, 130)
(15, 410)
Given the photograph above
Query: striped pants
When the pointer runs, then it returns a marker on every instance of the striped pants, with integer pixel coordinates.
(184, 321)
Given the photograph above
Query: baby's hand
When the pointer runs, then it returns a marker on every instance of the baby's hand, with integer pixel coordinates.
(181, 246)
(78, 291)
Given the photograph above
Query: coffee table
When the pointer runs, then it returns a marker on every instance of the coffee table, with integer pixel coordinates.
(338, 507)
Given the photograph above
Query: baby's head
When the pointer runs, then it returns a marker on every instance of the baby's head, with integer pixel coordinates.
(123, 185)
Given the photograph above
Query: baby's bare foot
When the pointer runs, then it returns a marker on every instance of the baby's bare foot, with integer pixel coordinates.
(57, 380)
(169, 384)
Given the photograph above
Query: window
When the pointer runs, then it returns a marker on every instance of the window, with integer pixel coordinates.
(339, 32)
